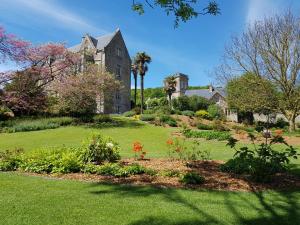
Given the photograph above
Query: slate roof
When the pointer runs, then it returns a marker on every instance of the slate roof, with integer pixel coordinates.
(206, 92)
(99, 42)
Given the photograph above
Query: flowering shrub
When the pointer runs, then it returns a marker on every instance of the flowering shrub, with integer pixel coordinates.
(178, 149)
(99, 149)
(138, 150)
(278, 132)
(203, 114)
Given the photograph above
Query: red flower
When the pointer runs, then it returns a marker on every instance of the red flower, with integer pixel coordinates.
(137, 146)
(170, 142)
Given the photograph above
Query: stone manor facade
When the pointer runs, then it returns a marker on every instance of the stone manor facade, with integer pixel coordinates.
(109, 52)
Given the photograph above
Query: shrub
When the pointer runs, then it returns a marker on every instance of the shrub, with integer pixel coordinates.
(215, 112)
(23, 125)
(192, 178)
(202, 126)
(109, 169)
(170, 173)
(135, 169)
(102, 118)
(166, 119)
(203, 114)
(99, 149)
(218, 126)
(208, 135)
(6, 113)
(10, 160)
(129, 113)
(68, 163)
(137, 110)
(172, 123)
(261, 162)
(281, 123)
(187, 113)
(147, 117)
(40, 161)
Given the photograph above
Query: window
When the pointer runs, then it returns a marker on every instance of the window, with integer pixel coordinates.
(118, 71)
(118, 96)
(118, 109)
(119, 52)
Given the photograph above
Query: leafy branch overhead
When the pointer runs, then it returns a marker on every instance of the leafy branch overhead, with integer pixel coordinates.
(183, 10)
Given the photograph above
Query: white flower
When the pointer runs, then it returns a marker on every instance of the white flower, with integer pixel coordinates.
(109, 145)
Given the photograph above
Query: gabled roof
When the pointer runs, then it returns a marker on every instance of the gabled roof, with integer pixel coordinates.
(99, 42)
(206, 93)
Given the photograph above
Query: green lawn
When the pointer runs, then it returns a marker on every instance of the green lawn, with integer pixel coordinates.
(34, 201)
(153, 137)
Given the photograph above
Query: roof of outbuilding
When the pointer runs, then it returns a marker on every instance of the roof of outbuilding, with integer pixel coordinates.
(206, 93)
(100, 42)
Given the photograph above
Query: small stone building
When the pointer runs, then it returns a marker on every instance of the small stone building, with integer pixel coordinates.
(217, 95)
(109, 52)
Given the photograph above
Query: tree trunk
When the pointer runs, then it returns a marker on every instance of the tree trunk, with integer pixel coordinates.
(292, 123)
(135, 89)
(142, 94)
(170, 100)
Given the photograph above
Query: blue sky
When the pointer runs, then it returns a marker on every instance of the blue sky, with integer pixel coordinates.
(195, 48)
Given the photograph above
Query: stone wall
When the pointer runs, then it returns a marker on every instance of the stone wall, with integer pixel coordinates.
(122, 63)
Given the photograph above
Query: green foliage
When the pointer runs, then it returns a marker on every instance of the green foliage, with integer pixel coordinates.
(187, 113)
(64, 160)
(192, 103)
(129, 113)
(170, 173)
(5, 113)
(183, 10)
(178, 149)
(10, 160)
(22, 125)
(219, 126)
(147, 117)
(260, 162)
(250, 93)
(208, 135)
(202, 126)
(166, 119)
(149, 93)
(102, 118)
(203, 114)
(114, 169)
(192, 178)
(215, 112)
(99, 149)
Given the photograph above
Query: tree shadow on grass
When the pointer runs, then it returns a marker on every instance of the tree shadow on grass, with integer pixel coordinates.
(276, 208)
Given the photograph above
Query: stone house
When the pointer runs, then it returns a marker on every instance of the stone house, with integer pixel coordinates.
(217, 95)
(110, 53)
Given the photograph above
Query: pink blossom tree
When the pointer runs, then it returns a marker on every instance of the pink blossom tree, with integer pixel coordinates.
(11, 47)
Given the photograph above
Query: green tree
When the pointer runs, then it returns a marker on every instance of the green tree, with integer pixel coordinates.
(250, 93)
(183, 10)
(142, 61)
(170, 87)
(270, 49)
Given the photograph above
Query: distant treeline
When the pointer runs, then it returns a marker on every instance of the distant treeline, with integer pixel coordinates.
(158, 92)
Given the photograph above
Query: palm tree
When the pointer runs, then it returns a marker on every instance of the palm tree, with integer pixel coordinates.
(170, 87)
(134, 70)
(142, 61)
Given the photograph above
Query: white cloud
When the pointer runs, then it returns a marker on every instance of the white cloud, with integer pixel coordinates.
(53, 11)
(258, 9)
